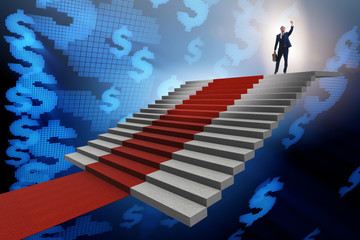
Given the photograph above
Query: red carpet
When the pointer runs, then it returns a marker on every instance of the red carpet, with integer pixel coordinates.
(30, 210)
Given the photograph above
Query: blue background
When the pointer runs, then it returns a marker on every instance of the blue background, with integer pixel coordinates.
(71, 69)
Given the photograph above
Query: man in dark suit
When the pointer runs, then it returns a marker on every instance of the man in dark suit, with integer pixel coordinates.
(284, 43)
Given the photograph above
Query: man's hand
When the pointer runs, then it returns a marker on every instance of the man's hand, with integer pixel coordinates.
(292, 23)
(274, 51)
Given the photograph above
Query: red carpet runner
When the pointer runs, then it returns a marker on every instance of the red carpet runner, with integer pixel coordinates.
(27, 211)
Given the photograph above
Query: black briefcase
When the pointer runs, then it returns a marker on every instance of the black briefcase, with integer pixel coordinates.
(274, 57)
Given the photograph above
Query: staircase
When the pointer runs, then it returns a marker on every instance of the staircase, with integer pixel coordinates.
(178, 154)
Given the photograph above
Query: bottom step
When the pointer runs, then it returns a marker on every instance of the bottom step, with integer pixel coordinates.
(182, 209)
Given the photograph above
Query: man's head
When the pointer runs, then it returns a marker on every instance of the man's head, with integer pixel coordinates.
(282, 29)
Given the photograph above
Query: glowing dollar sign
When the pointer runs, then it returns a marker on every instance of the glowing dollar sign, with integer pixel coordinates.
(156, 3)
(108, 97)
(133, 215)
(354, 179)
(17, 45)
(200, 8)
(121, 41)
(195, 51)
(137, 62)
(243, 30)
(168, 85)
(219, 70)
(261, 200)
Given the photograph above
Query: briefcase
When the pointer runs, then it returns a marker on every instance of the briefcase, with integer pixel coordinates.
(274, 57)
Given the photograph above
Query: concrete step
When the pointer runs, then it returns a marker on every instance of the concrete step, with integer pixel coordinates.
(180, 208)
(133, 126)
(79, 160)
(258, 88)
(221, 150)
(285, 102)
(235, 141)
(91, 152)
(162, 105)
(271, 96)
(177, 97)
(171, 101)
(154, 110)
(122, 131)
(238, 131)
(148, 115)
(251, 123)
(188, 87)
(186, 188)
(260, 108)
(272, 116)
(197, 83)
(114, 138)
(185, 92)
(198, 174)
(103, 145)
(140, 120)
(210, 161)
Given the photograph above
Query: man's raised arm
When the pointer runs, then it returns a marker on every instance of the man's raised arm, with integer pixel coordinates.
(292, 27)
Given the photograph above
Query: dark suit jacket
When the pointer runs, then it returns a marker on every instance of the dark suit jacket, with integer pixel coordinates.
(284, 42)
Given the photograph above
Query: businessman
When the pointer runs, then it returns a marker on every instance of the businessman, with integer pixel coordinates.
(284, 43)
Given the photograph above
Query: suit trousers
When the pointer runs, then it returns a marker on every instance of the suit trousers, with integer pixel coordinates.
(282, 51)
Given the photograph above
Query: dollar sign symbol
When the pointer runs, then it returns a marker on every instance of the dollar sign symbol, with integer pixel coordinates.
(22, 103)
(17, 45)
(195, 51)
(296, 130)
(219, 70)
(133, 215)
(108, 97)
(261, 200)
(156, 3)
(168, 85)
(137, 62)
(13, 152)
(169, 222)
(121, 41)
(243, 30)
(200, 8)
(354, 179)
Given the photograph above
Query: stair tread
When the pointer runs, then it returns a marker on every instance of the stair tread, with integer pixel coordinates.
(127, 163)
(103, 143)
(114, 136)
(208, 158)
(92, 150)
(249, 112)
(257, 105)
(183, 183)
(174, 205)
(115, 174)
(219, 146)
(226, 136)
(197, 170)
(165, 137)
(239, 128)
(153, 145)
(133, 124)
(118, 129)
(246, 120)
(79, 159)
(142, 154)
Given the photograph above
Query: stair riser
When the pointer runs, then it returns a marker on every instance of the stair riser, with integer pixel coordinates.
(200, 179)
(99, 146)
(177, 97)
(229, 142)
(166, 106)
(170, 133)
(268, 109)
(153, 110)
(177, 125)
(194, 113)
(147, 149)
(136, 158)
(170, 101)
(147, 115)
(213, 129)
(272, 96)
(260, 89)
(130, 127)
(213, 166)
(227, 122)
(251, 116)
(220, 152)
(121, 133)
(185, 119)
(112, 140)
(266, 102)
(204, 107)
(124, 169)
(160, 141)
(182, 93)
(140, 120)
(109, 180)
(198, 199)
